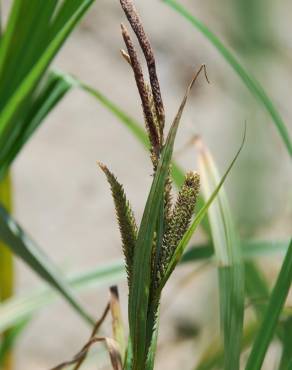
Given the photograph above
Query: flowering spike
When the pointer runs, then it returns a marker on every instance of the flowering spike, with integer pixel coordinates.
(125, 217)
(180, 219)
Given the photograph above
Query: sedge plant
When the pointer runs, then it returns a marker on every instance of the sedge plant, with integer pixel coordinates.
(153, 249)
(163, 223)
(166, 239)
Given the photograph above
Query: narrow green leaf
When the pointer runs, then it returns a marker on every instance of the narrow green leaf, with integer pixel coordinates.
(12, 107)
(25, 39)
(272, 314)
(286, 356)
(49, 95)
(22, 246)
(250, 82)
(122, 116)
(250, 249)
(66, 11)
(134, 127)
(153, 346)
(18, 308)
(228, 257)
(201, 214)
(213, 356)
(256, 287)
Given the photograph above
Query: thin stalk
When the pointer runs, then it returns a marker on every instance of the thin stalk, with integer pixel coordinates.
(6, 260)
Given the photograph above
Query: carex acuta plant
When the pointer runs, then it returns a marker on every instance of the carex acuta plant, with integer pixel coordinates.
(153, 248)
(150, 249)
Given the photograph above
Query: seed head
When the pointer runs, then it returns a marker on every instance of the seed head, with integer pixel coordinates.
(125, 217)
(180, 219)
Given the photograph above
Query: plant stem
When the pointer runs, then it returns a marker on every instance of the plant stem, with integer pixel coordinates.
(6, 260)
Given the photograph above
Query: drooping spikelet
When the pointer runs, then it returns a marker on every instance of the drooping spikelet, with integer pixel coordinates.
(180, 219)
(125, 217)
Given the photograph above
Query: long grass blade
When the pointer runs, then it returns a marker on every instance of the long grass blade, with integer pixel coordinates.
(250, 249)
(19, 308)
(286, 355)
(229, 259)
(50, 94)
(11, 109)
(25, 38)
(199, 217)
(213, 356)
(256, 286)
(272, 314)
(250, 82)
(22, 246)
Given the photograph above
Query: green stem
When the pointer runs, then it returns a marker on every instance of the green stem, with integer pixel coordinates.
(6, 260)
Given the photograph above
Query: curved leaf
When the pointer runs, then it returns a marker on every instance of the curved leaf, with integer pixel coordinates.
(250, 82)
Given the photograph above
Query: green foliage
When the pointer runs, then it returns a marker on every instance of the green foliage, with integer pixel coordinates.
(249, 81)
(39, 29)
(19, 308)
(23, 247)
(213, 355)
(229, 260)
(161, 238)
(52, 89)
(272, 314)
(153, 250)
(32, 36)
(140, 288)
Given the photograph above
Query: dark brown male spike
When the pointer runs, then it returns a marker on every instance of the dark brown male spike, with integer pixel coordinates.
(138, 73)
(144, 42)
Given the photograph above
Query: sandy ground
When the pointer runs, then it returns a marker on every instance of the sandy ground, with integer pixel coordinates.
(64, 202)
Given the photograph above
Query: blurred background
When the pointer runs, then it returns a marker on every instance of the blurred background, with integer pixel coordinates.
(64, 202)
